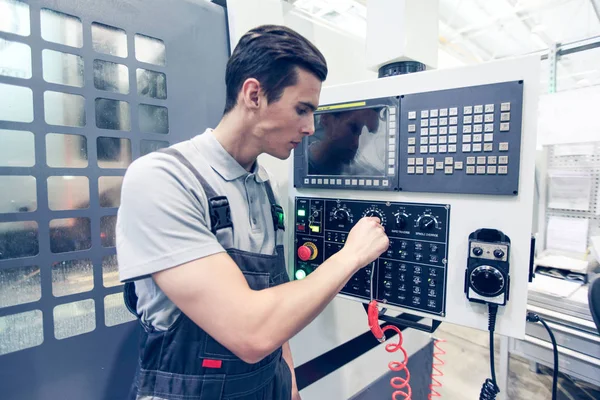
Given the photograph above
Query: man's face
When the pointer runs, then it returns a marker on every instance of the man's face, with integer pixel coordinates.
(283, 124)
(343, 130)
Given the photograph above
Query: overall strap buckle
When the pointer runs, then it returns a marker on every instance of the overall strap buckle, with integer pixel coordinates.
(220, 213)
(278, 216)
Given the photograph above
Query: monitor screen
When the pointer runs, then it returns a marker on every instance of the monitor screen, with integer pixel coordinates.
(349, 143)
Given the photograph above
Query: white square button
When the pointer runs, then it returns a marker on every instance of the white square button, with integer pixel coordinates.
(313, 181)
(468, 110)
(478, 109)
(369, 182)
(478, 128)
(411, 140)
(488, 147)
(425, 114)
(467, 138)
(489, 127)
(470, 170)
(453, 130)
(412, 128)
(491, 169)
(439, 165)
(433, 113)
(480, 169)
(433, 131)
(453, 111)
(433, 122)
(385, 182)
(481, 160)
(361, 182)
(412, 115)
(354, 182)
(410, 170)
(505, 106)
(306, 181)
(443, 112)
(491, 159)
(476, 147)
(411, 161)
(419, 170)
(448, 170)
(430, 170)
(375, 182)
(505, 117)
(423, 149)
(470, 160)
(433, 140)
(489, 117)
(338, 181)
(468, 119)
(477, 137)
(489, 108)
(319, 181)
(433, 149)
(424, 131)
(453, 120)
(503, 160)
(419, 160)
(449, 160)
(478, 119)
(424, 122)
(430, 160)
(444, 121)
(443, 130)
(458, 165)
(488, 137)
(503, 169)
(466, 148)
(442, 148)
(443, 139)
(411, 149)
(503, 146)
(326, 181)
(425, 140)
(451, 148)
(467, 128)
(504, 126)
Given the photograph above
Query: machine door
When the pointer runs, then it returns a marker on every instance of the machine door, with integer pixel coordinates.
(86, 86)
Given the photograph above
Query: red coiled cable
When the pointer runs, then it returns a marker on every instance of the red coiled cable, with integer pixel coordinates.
(437, 372)
(401, 385)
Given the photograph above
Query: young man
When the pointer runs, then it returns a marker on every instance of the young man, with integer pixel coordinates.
(214, 297)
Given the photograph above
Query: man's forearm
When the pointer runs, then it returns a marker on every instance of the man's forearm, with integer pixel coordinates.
(284, 310)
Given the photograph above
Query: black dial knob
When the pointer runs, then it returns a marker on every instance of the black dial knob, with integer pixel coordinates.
(341, 214)
(374, 213)
(478, 251)
(401, 220)
(487, 281)
(427, 223)
(498, 253)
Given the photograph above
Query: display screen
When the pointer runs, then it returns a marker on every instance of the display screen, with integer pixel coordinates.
(349, 143)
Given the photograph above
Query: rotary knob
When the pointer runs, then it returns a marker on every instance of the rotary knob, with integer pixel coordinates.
(487, 281)
(341, 214)
(401, 220)
(374, 213)
(427, 223)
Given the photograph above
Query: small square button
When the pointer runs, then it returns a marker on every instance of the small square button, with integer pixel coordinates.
(392, 125)
(443, 139)
(393, 118)
(376, 182)
(425, 140)
(491, 169)
(467, 138)
(481, 170)
(411, 149)
(430, 170)
(419, 160)
(319, 181)
(433, 113)
(392, 141)
(477, 147)
(338, 181)
(361, 182)
(468, 119)
(424, 122)
(468, 110)
(411, 161)
(503, 146)
(477, 137)
(433, 140)
(478, 128)
(449, 160)
(392, 110)
(478, 109)
(470, 170)
(448, 170)
(433, 131)
(423, 149)
(489, 117)
(489, 127)
(453, 120)
(412, 115)
(444, 121)
(393, 146)
(419, 170)
(488, 137)
(452, 139)
(425, 114)
(411, 140)
(412, 128)
(505, 117)
(424, 131)
(478, 119)
(453, 111)
(391, 160)
(488, 147)
(433, 149)
(470, 160)
(503, 169)
(458, 165)
(489, 108)
(385, 182)
(306, 181)
(443, 112)
(354, 182)
(467, 128)
(313, 181)
(503, 160)
(451, 148)
(430, 160)
(369, 182)
(481, 160)
(504, 126)
(505, 106)
(433, 122)
(491, 159)
(439, 165)
(392, 132)
(443, 130)
(326, 181)
(466, 148)
(442, 148)
(410, 170)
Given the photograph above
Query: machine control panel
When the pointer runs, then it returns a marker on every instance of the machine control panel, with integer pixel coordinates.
(410, 274)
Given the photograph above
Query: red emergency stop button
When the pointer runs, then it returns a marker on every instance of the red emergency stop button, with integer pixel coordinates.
(308, 251)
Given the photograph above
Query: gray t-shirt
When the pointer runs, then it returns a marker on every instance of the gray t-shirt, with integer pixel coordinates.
(162, 221)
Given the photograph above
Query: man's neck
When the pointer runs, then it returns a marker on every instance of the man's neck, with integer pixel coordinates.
(237, 141)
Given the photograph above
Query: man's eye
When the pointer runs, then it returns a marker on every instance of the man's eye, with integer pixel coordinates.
(302, 111)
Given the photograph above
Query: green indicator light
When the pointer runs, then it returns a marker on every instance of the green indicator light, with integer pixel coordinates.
(301, 213)
(300, 274)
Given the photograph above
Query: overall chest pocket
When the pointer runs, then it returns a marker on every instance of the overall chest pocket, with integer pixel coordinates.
(212, 348)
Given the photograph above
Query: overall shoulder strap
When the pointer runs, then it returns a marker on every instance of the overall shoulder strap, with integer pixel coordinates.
(219, 210)
(276, 209)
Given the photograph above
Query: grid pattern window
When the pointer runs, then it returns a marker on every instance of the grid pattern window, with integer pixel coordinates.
(68, 132)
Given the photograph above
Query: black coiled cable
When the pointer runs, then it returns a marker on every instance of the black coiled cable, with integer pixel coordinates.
(490, 389)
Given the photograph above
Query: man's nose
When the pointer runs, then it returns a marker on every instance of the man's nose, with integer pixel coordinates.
(309, 129)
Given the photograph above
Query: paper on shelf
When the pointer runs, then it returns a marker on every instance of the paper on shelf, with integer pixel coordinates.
(575, 149)
(554, 286)
(568, 234)
(569, 190)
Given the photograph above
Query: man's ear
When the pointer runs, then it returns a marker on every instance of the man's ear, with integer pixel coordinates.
(251, 94)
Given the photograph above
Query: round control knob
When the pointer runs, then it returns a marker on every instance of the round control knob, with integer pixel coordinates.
(401, 220)
(498, 253)
(374, 213)
(478, 251)
(341, 214)
(487, 281)
(307, 252)
(427, 223)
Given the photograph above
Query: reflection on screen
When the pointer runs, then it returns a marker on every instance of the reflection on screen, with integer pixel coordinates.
(349, 143)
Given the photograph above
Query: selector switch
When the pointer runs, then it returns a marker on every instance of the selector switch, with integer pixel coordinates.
(478, 251)
(498, 253)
